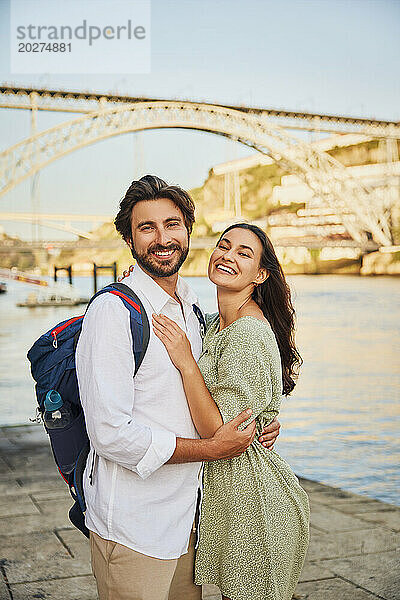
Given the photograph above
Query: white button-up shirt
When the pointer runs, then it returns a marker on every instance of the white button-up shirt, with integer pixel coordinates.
(133, 497)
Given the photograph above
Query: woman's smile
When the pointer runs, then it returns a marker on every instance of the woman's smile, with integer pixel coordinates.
(226, 269)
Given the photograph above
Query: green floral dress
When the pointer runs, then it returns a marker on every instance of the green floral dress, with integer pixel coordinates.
(254, 523)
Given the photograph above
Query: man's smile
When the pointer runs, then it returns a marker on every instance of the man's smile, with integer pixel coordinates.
(163, 254)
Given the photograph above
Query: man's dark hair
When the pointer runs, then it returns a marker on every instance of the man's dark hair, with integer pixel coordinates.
(151, 187)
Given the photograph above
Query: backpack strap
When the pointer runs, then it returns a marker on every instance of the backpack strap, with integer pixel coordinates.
(197, 311)
(125, 290)
(140, 327)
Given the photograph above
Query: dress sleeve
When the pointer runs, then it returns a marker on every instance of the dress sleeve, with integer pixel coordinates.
(244, 372)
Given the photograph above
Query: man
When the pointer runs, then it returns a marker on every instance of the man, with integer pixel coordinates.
(143, 472)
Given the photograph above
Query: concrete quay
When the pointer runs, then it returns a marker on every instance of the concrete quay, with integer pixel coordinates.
(354, 552)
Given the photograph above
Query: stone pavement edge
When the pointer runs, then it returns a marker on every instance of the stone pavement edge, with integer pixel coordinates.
(354, 552)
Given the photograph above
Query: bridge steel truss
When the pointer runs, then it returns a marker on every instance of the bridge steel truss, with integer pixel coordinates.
(86, 102)
(363, 209)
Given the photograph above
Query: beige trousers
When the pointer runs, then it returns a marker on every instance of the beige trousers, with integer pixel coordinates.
(124, 574)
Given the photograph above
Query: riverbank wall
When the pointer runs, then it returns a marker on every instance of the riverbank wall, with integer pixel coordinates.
(381, 263)
(353, 555)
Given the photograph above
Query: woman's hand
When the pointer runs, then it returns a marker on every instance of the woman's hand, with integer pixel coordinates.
(175, 341)
(270, 434)
(204, 412)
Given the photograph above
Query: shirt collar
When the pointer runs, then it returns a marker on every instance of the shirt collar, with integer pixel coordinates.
(157, 297)
(185, 292)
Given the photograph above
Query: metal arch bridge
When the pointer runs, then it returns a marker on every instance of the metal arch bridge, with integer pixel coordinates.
(85, 102)
(326, 176)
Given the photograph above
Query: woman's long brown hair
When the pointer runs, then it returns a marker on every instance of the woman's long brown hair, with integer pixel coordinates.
(274, 298)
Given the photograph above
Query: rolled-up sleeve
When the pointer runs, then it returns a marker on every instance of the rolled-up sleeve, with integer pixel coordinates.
(160, 450)
(105, 367)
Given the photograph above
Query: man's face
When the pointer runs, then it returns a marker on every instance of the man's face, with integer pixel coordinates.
(159, 236)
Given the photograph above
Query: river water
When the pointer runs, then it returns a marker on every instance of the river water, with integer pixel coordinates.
(340, 426)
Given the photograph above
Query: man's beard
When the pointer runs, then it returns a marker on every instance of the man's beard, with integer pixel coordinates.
(155, 267)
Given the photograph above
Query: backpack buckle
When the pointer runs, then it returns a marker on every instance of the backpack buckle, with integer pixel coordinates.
(38, 416)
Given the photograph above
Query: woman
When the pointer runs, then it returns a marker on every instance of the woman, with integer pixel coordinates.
(253, 532)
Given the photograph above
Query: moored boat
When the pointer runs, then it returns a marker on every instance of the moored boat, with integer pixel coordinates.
(56, 295)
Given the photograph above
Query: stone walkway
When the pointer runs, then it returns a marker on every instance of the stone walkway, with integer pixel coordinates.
(354, 552)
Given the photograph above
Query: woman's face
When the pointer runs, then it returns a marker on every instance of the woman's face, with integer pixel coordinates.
(234, 264)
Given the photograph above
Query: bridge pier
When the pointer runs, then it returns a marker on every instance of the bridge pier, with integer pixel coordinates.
(96, 268)
(68, 269)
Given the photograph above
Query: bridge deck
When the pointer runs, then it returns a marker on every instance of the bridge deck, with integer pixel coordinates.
(12, 96)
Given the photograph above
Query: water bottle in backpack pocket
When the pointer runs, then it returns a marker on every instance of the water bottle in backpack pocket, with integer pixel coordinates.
(64, 419)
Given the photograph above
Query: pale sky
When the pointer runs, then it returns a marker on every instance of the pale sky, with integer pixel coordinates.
(328, 56)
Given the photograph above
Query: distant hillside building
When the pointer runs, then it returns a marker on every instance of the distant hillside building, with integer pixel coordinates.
(301, 216)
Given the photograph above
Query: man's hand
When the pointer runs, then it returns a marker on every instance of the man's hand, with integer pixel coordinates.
(228, 441)
(269, 434)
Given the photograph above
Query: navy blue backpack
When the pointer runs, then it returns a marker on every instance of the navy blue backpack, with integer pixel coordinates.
(52, 359)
